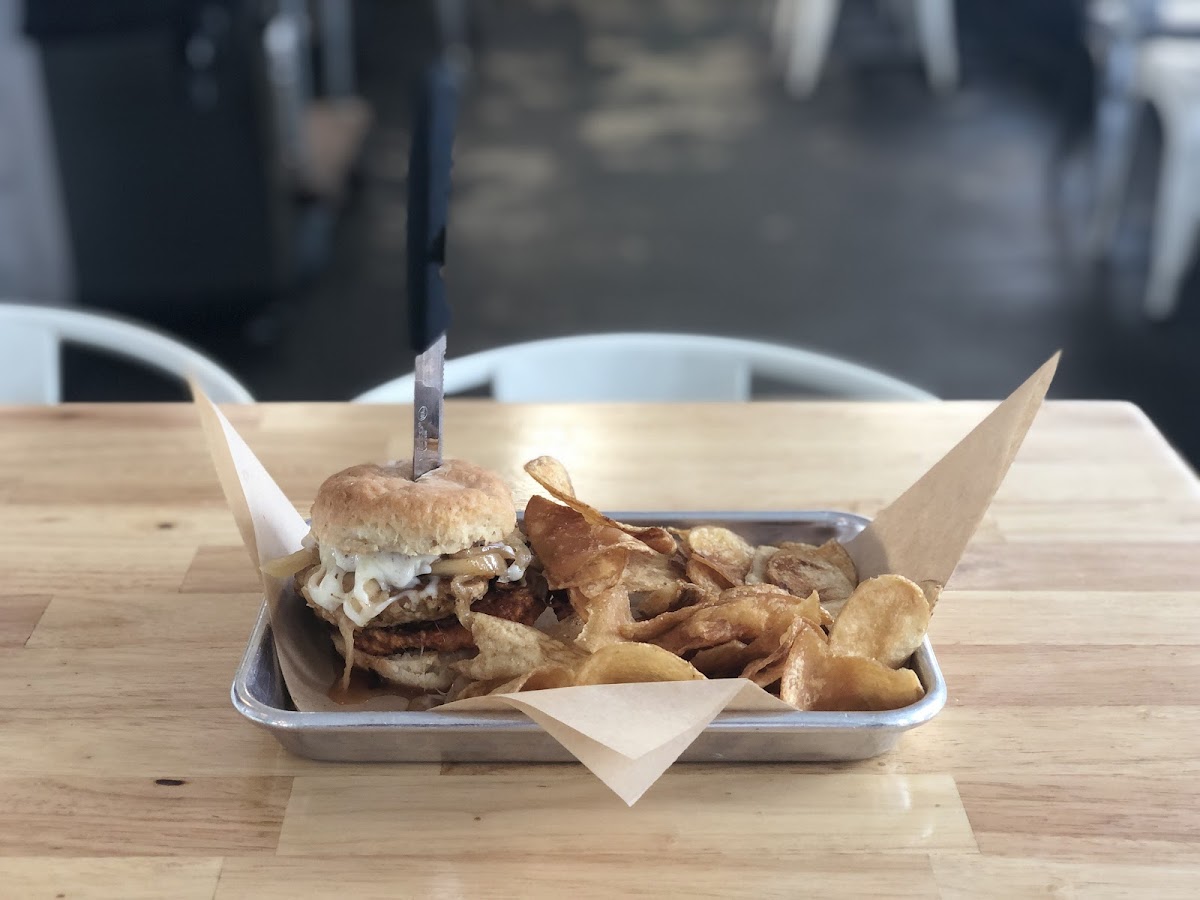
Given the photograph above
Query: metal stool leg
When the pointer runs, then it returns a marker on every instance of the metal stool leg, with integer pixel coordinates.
(1116, 137)
(939, 42)
(812, 32)
(1177, 212)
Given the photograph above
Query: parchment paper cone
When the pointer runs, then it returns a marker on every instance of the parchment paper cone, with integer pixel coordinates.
(629, 734)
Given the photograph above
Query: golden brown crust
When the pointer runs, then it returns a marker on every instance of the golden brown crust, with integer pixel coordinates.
(379, 508)
(425, 670)
(517, 603)
(419, 655)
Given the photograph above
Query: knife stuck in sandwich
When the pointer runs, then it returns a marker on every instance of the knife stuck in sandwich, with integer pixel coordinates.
(429, 167)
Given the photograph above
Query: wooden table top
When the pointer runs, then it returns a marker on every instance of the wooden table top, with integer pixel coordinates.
(1065, 760)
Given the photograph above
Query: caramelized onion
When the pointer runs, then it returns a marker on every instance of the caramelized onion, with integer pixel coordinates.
(491, 563)
(472, 552)
(287, 566)
(523, 555)
(346, 627)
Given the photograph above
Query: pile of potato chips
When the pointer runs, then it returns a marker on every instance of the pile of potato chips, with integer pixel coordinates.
(652, 604)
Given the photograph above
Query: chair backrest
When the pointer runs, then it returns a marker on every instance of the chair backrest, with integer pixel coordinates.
(1169, 76)
(650, 367)
(30, 338)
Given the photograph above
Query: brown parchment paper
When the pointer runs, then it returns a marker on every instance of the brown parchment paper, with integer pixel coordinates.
(629, 734)
(922, 534)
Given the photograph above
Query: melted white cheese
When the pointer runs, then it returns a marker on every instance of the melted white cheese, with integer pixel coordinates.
(514, 572)
(395, 573)
(392, 569)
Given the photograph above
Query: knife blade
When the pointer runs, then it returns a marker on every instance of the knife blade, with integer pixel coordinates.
(429, 166)
(428, 397)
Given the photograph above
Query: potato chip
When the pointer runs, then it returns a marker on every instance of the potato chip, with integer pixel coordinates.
(603, 572)
(885, 619)
(552, 475)
(769, 669)
(632, 663)
(834, 552)
(853, 683)
(650, 571)
(746, 618)
(802, 569)
(769, 652)
(702, 631)
(608, 613)
(722, 661)
(802, 679)
(813, 678)
(742, 591)
(758, 564)
(768, 675)
(648, 604)
(547, 678)
(540, 679)
(695, 595)
(831, 551)
(474, 689)
(509, 649)
(723, 609)
(648, 629)
(720, 546)
(657, 539)
(573, 551)
(567, 628)
(707, 574)
(697, 598)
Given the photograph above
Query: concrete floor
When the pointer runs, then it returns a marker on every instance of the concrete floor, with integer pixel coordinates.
(629, 166)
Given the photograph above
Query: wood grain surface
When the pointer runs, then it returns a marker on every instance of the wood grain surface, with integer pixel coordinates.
(1064, 763)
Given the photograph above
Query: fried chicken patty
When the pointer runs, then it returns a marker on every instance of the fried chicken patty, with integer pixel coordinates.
(518, 603)
(413, 605)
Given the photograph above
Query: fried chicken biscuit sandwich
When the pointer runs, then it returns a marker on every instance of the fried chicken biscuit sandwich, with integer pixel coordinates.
(388, 559)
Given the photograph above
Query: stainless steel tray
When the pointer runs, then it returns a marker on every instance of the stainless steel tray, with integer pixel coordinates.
(260, 695)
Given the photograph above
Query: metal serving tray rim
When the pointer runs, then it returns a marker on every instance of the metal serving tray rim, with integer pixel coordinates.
(926, 666)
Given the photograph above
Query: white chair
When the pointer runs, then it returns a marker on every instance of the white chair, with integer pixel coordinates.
(35, 252)
(649, 367)
(1148, 51)
(30, 337)
(802, 31)
(1169, 78)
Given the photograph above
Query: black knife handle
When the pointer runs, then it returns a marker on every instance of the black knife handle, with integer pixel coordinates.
(429, 165)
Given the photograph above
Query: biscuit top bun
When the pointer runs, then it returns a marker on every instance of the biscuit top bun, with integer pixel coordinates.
(379, 508)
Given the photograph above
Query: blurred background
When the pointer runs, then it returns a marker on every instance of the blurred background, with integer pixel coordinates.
(946, 192)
